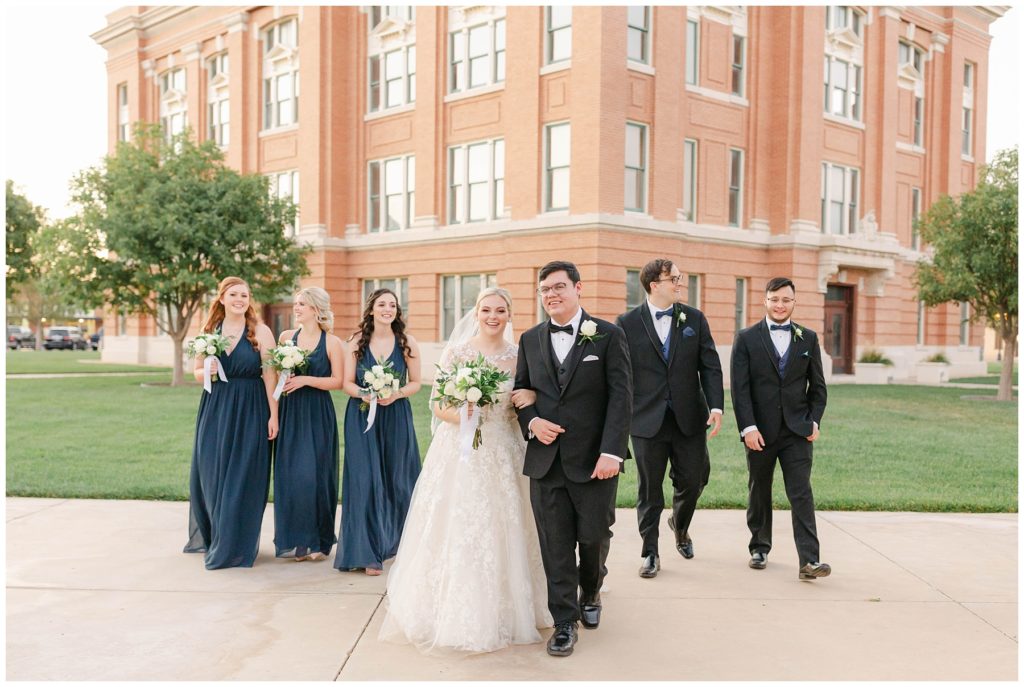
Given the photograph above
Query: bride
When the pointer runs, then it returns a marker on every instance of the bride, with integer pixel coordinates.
(468, 573)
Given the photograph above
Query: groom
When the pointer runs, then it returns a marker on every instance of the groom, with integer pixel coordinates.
(577, 432)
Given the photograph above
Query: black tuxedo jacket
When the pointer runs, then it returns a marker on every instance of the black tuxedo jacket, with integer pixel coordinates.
(762, 397)
(692, 376)
(594, 407)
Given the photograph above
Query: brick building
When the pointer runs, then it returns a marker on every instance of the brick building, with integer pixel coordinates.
(440, 149)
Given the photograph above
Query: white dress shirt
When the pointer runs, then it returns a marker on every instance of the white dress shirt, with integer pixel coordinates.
(664, 328)
(781, 340)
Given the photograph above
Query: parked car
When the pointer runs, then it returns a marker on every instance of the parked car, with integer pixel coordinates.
(20, 337)
(69, 338)
(96, 338)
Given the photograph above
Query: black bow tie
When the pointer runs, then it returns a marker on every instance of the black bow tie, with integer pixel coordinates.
(553, 328)
(662, 313)
(783, 327)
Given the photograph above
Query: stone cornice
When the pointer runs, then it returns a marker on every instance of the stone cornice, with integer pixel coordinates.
(139, 22)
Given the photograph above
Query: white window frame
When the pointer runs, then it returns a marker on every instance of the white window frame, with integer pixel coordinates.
(736, 186)
(173, 85)
(460, 62)
(218, 111)
(487, 279)
(691, 152)
(915, 216)
(645, 34)
(739, 69)
(555, 35)
(123, 123)
(641, 170)
(551, 169)
(837, 18)
(693, 52)
(460, 206)
(406, 191)
(391, 41)
(918, 121)
(633, 278)
(280, 66)
(740, 310)
(400, 285)
(285, 184)
(852, 92)
(849, 201)
(694, 290)
(397, 13)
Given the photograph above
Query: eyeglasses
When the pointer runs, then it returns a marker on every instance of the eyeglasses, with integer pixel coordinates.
(674, 279)
(557, 289)
(785, 301)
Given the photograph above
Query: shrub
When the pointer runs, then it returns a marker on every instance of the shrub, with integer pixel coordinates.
(874, 356)
(937, 358)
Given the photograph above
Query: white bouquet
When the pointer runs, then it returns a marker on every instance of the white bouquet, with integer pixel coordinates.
(286, 359)
(209, 346)
(381, 381)
(473, 381)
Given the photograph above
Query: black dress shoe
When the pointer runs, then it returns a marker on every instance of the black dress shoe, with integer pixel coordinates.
(563, 640)
(814, 570)
(684, 545)
(758, 560)
(650, 566)
(590, 610)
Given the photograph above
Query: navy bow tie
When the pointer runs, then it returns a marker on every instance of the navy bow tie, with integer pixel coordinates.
(553, 328)
(662, 313)
(783, 327)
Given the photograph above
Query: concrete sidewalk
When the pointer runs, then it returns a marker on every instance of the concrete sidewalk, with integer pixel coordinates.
(98, 590)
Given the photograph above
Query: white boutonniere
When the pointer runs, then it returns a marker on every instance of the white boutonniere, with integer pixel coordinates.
(797, 332)
(588, 332)
(681, 319)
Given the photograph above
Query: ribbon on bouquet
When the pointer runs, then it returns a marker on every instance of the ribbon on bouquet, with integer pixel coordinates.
(467, 430)
(281, 381)
(373, 411)
(208, 375)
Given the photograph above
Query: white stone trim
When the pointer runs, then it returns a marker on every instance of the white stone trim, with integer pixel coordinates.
(910, 148)
(559, 66)
(845, 121)
(639, 67)
(718, 95)
(381, 114)
(473, 92)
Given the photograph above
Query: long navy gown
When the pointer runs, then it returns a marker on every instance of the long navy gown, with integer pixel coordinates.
(380, 471)
(230, 464)
(306, 464)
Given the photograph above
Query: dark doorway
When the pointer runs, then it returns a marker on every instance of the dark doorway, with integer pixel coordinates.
(839, 327)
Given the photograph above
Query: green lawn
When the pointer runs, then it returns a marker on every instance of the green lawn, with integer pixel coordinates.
(48, 362)
(882, 447)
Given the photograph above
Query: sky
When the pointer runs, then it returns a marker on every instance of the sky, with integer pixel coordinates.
(54, 116)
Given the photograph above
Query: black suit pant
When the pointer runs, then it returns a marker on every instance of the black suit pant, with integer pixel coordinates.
(567, 514)
(689, 473)
(794, 454)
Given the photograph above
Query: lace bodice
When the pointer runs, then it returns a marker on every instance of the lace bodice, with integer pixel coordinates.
(504, 360)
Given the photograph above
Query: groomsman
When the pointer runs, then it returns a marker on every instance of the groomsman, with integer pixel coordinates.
(676, 376)
(778, 393)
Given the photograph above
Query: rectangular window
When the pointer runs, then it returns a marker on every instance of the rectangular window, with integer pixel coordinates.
(918, 121)
(476, 181)
(218, 109)
(741, 303)
(636, 167)
(634, 291)
(965, 323)
(558, 37)
(690, 180)
(968, 76)
(915, 216)
(843, 17)
(458, 296)
(391, 193)
(638, 33)
(123, 123)
(398, 13)
(735, 186)
(392, 78)
(842, 88)
(913, 56)
(400, 286)
(840, 188)
(965, 146)
(476, 56)
(173, 102)
(920, 323)
(692, 51)
(281, 74)
(286, 185)
(739, 49)
(556, 166)
(693, 290)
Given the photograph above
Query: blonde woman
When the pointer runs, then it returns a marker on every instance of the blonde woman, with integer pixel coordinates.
(468, 573)
(306, 462)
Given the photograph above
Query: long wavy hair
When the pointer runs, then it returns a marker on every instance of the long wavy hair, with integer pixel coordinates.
(366, 325)
(217, 311)
(320, 301)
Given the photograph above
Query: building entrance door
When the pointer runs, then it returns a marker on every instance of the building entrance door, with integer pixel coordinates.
(839, 327)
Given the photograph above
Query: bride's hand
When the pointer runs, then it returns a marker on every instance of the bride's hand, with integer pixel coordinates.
(523, 397)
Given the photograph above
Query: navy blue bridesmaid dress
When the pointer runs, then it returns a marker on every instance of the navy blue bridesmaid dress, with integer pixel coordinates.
(306, 464)
(380, 471)
(230, 464)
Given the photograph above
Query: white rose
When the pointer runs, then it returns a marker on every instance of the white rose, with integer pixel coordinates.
(463, 373)
(449, 389)
(368, 377)
(389, 378)
(474, 394)
(588, 328)
(377, 384)
(459, 394)
(385, 393)
(294, 359)
(377, 370)
(211, 350)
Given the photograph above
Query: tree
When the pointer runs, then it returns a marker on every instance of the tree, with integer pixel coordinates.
(23, 221)
(161, 222)
(973, 240)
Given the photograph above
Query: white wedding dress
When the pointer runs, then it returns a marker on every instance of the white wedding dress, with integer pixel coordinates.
(468, 573)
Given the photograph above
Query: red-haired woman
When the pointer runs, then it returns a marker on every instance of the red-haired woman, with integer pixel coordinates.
(236, 423)
(382, 464)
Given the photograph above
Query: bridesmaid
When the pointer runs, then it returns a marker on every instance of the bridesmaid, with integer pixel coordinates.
(306, 457)
(231, 457)
(381, 466)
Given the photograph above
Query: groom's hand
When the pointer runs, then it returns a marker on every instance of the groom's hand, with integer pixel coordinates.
(606, 467)
(545, 431)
